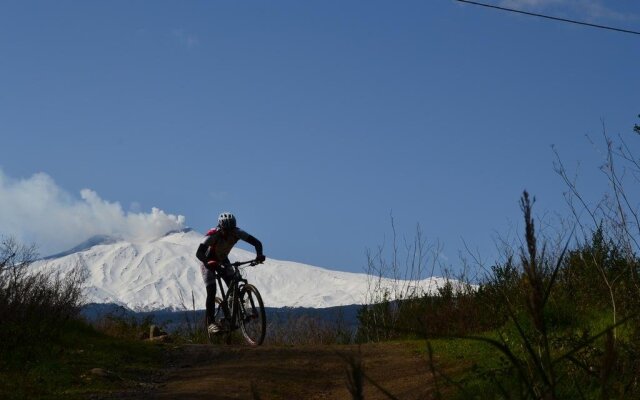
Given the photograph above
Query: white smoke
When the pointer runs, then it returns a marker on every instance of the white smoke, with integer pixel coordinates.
(36, 210)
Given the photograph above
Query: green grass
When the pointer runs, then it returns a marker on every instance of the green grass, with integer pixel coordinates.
(463, 362)
(472, 368)
(61, 368)
(465, 350)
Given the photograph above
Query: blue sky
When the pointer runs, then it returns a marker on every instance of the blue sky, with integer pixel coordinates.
(311, 121)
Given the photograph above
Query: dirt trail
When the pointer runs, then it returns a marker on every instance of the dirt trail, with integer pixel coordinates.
(310, 372)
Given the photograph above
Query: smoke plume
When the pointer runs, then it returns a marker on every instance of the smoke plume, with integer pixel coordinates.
(36, 210)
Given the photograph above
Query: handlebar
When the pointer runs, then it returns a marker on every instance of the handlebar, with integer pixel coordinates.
(252, 263)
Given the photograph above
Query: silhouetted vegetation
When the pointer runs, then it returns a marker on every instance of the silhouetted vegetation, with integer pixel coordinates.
(561, 315)
(562, 322)
(34, 307)
(46, 350)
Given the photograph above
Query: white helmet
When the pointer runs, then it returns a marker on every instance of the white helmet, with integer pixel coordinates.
(226, 220)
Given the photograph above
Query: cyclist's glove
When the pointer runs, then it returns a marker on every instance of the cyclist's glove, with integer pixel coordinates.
(260, 258)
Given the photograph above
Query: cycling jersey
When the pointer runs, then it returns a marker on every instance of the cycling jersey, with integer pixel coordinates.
(216, 247)
(218, 244)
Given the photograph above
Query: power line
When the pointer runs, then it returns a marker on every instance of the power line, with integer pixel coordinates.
(550, 17)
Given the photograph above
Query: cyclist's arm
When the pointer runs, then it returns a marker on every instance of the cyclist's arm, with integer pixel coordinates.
(252, 241)
(201, 253)
(204, 249)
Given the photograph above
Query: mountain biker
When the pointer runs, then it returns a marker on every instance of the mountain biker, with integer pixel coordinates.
(213, 252)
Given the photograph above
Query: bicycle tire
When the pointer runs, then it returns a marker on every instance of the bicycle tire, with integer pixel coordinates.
(252, 318)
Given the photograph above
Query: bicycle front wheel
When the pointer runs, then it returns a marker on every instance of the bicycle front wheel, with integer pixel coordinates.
(253, 319)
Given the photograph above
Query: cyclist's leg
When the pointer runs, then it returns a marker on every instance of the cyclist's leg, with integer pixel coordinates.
(221, 270)
(225, 270)
(209, 277)
(211, 302)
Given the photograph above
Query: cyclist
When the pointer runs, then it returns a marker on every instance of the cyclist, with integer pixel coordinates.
(213, 252)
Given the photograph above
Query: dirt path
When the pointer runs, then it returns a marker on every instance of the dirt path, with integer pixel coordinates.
(310, 372)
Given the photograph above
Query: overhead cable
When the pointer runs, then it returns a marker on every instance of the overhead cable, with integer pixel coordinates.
(611, 28)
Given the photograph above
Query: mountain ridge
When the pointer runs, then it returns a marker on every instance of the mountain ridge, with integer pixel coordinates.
(163, 273)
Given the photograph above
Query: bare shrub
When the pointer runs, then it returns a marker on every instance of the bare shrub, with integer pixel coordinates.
(567, 323)
(541, 298)
(403, 299)
(34, 307)
(396, 277)
(289, 328)
(397, 274)
(193, 326)
(124, 326)
(615, 219)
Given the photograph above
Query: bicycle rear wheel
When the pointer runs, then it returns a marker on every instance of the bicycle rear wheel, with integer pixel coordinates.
(253, 319)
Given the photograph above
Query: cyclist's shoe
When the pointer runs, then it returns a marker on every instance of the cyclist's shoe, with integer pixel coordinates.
(214, 328)
(218, 327)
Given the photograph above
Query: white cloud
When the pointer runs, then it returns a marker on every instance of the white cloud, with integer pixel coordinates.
(530, 4)
(37, 210)
(186, 39)
(591, 10)
(598, 11)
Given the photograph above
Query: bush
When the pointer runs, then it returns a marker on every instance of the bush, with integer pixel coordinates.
(124, 326)
(563, 321)
(450, 312)
(561, 313)
(34, 307)
(291, 329)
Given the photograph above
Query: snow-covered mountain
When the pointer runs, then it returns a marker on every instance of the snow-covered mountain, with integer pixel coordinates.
(164, 273)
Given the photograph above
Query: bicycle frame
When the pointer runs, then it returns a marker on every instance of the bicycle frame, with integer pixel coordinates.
(246, 313)
(234, 288)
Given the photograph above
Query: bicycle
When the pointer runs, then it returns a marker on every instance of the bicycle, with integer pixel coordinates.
(244, 306)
